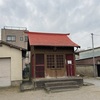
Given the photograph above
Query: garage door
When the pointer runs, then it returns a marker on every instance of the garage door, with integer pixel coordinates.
(5, 72)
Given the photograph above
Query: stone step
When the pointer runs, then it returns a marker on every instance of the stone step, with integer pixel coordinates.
(48, 84)
(64, 86)
(61, 85)
(26, 86)
(62, 90)
(40, 83)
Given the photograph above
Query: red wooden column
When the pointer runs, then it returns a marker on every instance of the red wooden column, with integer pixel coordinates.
(32, 71)
(70, 65)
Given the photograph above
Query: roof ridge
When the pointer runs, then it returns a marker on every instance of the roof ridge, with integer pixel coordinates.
(49, 33)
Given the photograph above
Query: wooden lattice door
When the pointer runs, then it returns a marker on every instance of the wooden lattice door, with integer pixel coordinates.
(55, 65)
(39, 66)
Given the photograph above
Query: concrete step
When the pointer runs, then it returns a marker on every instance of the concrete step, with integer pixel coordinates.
(64, 86)
(62, 90)
(26, 86)
(61, 85)
(40, 83)
(48, 84)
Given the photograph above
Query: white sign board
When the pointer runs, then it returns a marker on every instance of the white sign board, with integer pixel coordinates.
(69, 61)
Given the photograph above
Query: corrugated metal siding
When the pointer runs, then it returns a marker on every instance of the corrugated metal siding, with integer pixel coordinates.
(89, 53)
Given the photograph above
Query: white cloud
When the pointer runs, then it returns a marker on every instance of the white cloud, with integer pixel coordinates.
(1, 2)
(78, 17)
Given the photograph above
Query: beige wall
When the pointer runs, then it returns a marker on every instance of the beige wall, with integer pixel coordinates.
(16, 61)
(86, 70)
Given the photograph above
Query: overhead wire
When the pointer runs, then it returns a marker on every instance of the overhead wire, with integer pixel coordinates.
(84, 40)
(96, 35)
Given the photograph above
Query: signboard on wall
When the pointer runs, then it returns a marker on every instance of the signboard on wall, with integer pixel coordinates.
(69, 62)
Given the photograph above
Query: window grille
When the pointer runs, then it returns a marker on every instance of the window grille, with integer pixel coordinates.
(55, 61)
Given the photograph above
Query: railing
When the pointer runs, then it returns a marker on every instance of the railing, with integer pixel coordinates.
(15, 27)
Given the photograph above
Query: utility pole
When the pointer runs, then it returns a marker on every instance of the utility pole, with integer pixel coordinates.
(93, 53)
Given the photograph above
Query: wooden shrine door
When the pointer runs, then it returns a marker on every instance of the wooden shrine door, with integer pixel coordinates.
(70, 65)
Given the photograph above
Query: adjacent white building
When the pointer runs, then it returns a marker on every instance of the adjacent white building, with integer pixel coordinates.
(10, 64)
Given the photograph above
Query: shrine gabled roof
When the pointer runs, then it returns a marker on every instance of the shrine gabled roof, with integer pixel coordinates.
(50, 39)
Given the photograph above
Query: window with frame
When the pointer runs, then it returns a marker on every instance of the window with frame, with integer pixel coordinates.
(26, 38)
(21, 38)
(50, 61)
(55, 61)
(59, 61)
(11, 38)
(40, 59)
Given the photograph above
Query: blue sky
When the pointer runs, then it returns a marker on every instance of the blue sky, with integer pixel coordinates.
(80, 18)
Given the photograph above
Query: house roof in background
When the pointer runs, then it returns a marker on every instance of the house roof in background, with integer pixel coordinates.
(10, 45)
(50, 39)
(89, 53)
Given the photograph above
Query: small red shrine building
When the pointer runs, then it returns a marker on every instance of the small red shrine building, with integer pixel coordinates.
(52, 55)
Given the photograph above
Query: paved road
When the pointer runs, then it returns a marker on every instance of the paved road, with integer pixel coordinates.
(91, 92)
(95, 81)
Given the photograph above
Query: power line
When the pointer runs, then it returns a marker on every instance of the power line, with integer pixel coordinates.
(96, 35)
